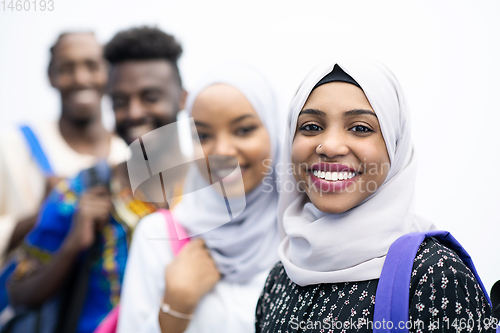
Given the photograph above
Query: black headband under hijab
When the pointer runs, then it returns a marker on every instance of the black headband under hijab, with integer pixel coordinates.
(337, 74)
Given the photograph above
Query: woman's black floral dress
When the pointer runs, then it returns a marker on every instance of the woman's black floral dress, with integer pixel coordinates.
(444, 297)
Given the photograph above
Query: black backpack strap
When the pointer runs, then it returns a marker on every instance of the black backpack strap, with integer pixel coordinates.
(76, 291)
(77, 288)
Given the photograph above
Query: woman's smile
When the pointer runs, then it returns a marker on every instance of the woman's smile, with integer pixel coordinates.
(327, 177)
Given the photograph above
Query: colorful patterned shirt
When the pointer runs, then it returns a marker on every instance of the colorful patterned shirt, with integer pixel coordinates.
(107, 271)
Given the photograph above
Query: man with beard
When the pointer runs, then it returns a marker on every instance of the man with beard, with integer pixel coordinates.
(75, 142)
(86, 224)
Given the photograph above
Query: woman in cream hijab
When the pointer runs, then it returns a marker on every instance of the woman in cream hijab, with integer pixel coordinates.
(213, 284)
(348, 195)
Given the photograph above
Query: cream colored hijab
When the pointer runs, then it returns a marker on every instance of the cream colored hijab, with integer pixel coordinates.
(246, 245)
(331, 248)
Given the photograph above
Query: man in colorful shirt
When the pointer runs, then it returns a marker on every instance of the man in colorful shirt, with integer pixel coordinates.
(87, 221)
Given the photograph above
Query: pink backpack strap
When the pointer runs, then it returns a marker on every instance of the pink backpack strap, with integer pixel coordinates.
(177, 234)
(109, 323)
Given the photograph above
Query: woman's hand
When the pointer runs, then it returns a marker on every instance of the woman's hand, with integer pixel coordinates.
(189, 277)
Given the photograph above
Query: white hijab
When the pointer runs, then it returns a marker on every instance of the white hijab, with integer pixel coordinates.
(247, 245)
(351, 246)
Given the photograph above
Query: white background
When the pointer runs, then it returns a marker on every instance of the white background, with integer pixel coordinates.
(445, 53)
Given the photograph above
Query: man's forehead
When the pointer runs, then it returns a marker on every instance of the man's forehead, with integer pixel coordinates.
(142, 73)
(78, 37)
(75, 44)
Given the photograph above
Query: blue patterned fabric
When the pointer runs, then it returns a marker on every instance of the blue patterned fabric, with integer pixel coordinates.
(106, 273)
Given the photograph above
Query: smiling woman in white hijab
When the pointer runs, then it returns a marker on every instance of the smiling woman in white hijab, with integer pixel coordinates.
(213, 284)
(346, 196)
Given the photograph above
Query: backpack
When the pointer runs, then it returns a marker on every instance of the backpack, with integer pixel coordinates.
(392, 296)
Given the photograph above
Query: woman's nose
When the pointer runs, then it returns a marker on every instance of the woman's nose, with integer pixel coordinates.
(224, 146)
(333, 143)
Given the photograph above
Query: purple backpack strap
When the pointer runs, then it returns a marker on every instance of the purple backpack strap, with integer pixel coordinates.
(392, 299)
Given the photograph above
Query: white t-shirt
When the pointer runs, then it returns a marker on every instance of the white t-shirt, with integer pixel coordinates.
(229, 307)
(22, 183)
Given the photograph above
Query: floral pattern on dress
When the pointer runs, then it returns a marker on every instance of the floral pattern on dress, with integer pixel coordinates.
(444, 295)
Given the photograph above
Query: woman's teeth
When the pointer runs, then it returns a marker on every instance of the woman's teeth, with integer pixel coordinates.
(333, 176)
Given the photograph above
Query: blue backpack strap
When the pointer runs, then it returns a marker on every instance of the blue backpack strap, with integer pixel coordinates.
(393, 291)
(37, 151)
(44, 165)
(4, 277)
